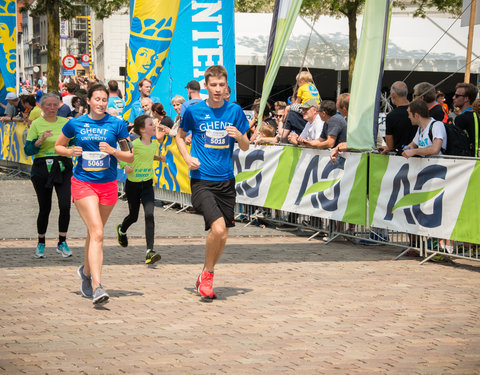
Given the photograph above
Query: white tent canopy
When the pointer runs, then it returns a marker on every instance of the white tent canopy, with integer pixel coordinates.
(410, 39)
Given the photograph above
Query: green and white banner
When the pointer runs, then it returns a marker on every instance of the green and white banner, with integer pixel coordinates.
(426, 196)
(303, 181)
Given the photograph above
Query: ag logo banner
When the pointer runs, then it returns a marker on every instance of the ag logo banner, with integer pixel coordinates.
(419, 195)
(303, 181)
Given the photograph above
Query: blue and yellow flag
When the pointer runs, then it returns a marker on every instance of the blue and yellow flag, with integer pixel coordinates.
(8, 48)
(151, 31)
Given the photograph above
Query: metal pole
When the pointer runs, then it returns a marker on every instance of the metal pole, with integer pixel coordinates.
(92, 73)
(473, 7)
(126, 73)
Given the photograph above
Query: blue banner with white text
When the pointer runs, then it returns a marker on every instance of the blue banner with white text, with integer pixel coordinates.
(204, 36)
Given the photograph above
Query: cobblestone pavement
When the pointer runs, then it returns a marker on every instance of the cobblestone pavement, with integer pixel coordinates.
(285, 305)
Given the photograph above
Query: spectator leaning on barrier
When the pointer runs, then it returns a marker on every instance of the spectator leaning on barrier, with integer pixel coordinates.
(14, 108)
(422, 145)
(399, 130)
(313, 128)
(334, 130)
(426, 92)
(465, 94)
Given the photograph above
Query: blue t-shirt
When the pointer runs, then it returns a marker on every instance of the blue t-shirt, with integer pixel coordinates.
(38, 96)
(137, 108)
(88, 133)
(64, 111)
(211, 144)
(117, 103)
(187, 104)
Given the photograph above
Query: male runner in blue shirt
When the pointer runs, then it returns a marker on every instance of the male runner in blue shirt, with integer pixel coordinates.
(215, 125)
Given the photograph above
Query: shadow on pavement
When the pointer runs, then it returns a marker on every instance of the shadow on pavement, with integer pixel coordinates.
(255, 253)
(223, 292)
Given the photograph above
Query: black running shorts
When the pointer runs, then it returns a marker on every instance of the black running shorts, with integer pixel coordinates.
(214, 199)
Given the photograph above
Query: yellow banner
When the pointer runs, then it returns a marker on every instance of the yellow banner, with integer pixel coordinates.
(172, 175)
(12, 139)
(153, 24)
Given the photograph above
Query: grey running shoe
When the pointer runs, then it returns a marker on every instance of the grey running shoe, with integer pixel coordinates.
(121, 238)
(100, 295)
(86, 287)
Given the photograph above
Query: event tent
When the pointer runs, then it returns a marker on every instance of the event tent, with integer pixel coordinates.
(410, 39)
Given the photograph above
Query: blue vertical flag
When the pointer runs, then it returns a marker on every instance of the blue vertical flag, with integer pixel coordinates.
(204, 36)
(151, 31)
(8, 48)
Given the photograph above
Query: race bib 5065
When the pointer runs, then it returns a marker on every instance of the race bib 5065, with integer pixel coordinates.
(95, 160)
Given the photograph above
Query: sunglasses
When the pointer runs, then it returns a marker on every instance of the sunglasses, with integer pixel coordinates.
(457, 95)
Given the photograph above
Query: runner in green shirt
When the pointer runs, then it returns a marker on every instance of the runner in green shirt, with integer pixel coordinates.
(139, 185)
(49, 171)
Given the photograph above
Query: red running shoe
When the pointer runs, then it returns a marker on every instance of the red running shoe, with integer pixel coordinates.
(204, 285)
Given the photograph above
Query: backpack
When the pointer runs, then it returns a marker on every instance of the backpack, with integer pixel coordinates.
(458, 143)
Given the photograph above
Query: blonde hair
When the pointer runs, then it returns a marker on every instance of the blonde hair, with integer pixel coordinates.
(267, 130)
(305, 76)
(178, 99)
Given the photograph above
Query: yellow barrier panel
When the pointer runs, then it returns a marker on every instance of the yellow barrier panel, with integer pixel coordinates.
(12, 139)
(172, 175)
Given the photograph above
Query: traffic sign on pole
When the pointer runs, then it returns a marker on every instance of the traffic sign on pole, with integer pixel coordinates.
(69, 62)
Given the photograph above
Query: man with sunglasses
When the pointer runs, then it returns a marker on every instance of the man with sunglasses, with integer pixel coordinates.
(465, 94)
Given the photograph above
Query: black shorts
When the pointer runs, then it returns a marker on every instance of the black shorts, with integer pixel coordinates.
(214, 199)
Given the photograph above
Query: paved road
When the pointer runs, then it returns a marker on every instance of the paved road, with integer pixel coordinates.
(285, 306)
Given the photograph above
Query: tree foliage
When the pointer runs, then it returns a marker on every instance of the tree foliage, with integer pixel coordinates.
(453, 7)
(254, 6)
(55, 10)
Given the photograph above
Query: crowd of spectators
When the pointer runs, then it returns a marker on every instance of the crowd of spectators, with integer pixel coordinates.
(305, 120)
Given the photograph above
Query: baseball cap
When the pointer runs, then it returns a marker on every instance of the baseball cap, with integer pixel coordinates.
(11, 96)
(310, 103)
(193, 85)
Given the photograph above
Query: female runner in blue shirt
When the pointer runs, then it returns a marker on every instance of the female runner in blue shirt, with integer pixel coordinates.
(94, 185)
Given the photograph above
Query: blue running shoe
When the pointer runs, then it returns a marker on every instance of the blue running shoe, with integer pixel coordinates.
(40, 251)
(86, 288)
(64, 250)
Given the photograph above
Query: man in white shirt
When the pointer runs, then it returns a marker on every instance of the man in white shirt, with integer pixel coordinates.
(313, 128)
(67, 99)
(425, 142)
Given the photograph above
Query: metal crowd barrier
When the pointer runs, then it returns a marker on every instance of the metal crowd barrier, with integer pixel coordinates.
(330, 230)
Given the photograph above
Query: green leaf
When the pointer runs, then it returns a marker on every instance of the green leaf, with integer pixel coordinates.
(320, 186)
(416, 198)
(243, 176)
